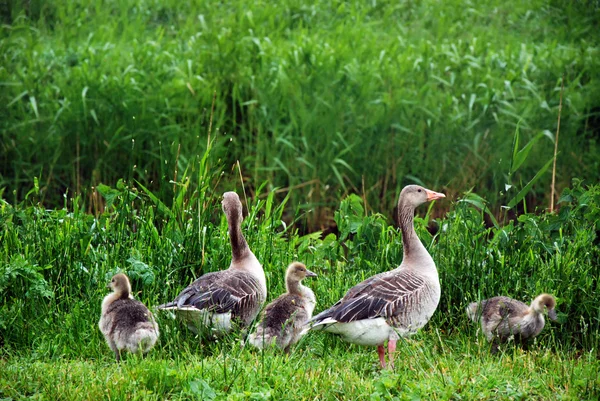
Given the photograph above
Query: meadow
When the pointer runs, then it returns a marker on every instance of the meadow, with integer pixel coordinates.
(123, 122)
(326, 98)
(56, 263)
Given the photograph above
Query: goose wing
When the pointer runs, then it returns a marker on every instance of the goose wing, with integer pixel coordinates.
(390, 296)
(221, 292)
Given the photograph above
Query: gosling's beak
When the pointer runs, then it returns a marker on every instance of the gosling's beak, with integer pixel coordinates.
(310, 274)
(431, 195)
(552, 315)
(108, 286)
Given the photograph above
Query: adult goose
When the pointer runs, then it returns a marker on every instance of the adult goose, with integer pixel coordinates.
(127, 324)
(216, 300)
(503, 317)
(394, 303)
(283, 320)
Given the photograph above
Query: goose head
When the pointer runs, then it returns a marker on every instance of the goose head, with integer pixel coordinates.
(545, 302)
(120, 285)
(232, 206)
(415, 195)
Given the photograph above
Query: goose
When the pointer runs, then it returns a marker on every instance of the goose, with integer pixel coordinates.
(392, 304)
(218, 299)
(503, 317)
(283, 320)
(126, 323)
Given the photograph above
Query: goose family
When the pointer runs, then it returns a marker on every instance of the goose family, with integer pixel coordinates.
(392, 304)
(127, 324)
(502, 317)
(216, 300)
(283, 320)
(379, 310)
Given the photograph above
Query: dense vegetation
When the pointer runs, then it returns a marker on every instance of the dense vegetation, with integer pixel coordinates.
(122, 123)
(326, 97)
(54, 264)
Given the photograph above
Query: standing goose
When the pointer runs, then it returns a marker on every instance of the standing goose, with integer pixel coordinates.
(284, 319)
(503, 317)
(217, 299)
(394, 303)
(126, 323)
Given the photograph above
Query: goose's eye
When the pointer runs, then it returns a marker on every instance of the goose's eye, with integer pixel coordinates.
(418, 190)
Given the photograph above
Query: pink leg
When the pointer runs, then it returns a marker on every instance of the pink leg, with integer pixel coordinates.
(391, 350)
(381, 352)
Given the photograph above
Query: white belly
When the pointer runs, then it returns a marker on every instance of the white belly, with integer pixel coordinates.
(199, 320)
(363, 332)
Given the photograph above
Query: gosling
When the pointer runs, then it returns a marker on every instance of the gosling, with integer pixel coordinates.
(502, 318)
(284, 319)
(126, 323)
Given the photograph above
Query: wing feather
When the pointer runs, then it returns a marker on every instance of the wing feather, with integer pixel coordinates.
(224, 291)
(384, 295)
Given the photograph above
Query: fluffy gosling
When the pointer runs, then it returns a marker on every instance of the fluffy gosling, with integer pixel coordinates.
(503, 317)
(283, 320)
(126, 323)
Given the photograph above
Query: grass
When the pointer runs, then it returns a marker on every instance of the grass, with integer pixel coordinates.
(457, 368)
(328, 98)
(55, 264)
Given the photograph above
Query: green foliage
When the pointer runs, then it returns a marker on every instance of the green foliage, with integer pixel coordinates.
(21, 283)
(552, 253)
(324, 97)
(164, 250)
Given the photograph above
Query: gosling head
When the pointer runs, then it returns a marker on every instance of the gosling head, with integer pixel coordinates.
(120, 285)
(416, 195)
(545, 302)
(297, 272)
(232, 206)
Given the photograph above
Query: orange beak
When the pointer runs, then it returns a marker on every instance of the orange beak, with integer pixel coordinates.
(431, 195)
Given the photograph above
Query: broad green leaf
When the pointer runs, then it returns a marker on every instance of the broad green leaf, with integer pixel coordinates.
(159, 204)
(513, 202)
(522, 154)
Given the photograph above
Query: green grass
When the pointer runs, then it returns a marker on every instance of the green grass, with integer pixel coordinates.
(325, 97)
(55, 264)
(458, 367)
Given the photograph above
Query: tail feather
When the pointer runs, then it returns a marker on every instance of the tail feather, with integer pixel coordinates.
(168, 305)
(320, 317)
(473, 311)
(319, 321)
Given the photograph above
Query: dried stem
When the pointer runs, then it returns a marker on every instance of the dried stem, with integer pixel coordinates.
(562, 88)
(212, 112)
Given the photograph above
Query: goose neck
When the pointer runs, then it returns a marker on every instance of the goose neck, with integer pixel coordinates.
(239, 246)
(410, 240)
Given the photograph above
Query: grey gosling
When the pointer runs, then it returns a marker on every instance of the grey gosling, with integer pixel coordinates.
(503, 317)
(218, 299)
(395, 303)
(126, 323)
(283, 320)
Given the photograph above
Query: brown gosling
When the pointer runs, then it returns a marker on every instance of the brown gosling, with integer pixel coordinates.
(284, 319)
(502, 318)
(126, 323)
